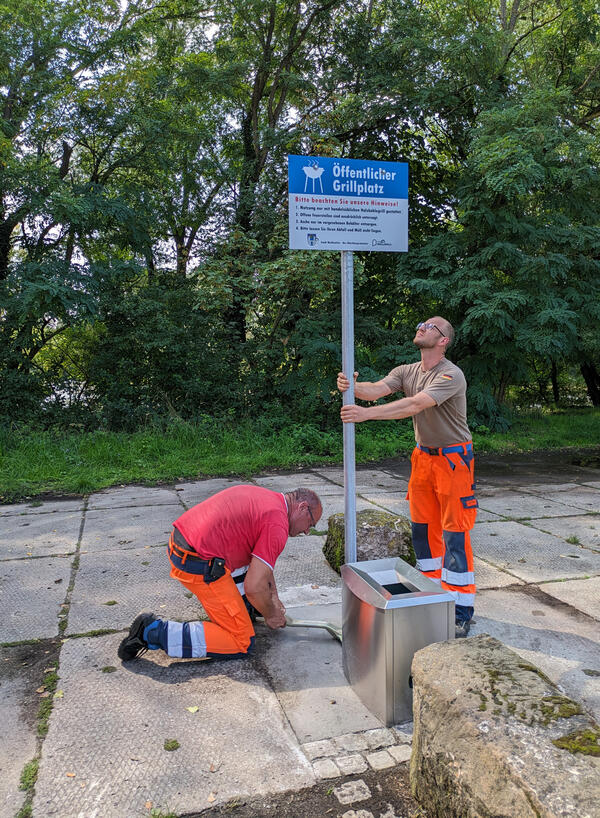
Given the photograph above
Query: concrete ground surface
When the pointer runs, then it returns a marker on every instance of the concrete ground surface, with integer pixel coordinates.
(75, 572)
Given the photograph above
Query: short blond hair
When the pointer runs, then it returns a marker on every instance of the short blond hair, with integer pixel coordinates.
(446, 328)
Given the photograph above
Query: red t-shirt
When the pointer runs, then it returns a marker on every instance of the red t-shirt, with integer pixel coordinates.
(237, 524)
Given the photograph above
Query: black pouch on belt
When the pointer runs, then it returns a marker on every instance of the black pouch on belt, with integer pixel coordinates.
(216, 569)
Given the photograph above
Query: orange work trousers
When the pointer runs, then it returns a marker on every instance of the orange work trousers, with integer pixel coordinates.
(229, 631)
(442, 511)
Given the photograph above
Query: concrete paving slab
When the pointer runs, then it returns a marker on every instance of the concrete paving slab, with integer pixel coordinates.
(32, 594)
(583, 594)
(579, 497)
(484, 516)
(552, 467)
(112, 587)
(371, 480)
(302, 563)
(289, 482)
(394, 503)
(550, 488)
(305, 667)
(530, 554)
(487, 576)
(398, 505)
(521, 506)
(43, 507)
(329, 490)
(133, 496)
(108, 732)
(558, 641)
(303, 595)
(335, 505)
(110, 727)
(17, 745)
(379, 479)
(193, 493)
(585, 527)
(336, 473)
(39, 534)
(127, 528)
(484, 491)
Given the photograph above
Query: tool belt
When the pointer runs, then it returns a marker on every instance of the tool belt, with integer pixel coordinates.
(464, 450)
(184, 558)
(461, 447)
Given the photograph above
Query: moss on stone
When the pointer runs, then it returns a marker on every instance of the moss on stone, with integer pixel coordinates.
(379, 534)
(536, 670)
(585, 741)
(502, 693)
(334, 548)
(558, 707)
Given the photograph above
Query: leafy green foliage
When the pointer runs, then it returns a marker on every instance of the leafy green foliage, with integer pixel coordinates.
(144, 270)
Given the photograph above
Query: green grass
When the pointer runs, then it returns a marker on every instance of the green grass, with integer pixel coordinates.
(32, 462)
(29, 775)
(46, 705)
(544, 430)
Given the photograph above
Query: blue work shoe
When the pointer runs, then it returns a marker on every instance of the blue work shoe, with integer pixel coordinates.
(134, 643)
(461, 628)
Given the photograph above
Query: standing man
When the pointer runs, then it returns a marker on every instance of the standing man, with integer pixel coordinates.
(440, 491)
(224, 550)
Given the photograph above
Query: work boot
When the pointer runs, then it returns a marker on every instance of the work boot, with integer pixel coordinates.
(461, 628)
(134, 643)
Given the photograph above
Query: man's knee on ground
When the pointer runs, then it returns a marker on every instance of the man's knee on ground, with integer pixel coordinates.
(245, 649)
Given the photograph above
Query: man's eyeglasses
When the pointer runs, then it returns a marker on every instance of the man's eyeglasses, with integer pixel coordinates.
(312, 519)
(425, 326)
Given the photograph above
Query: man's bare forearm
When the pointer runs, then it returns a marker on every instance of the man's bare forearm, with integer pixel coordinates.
(267, 602)
(402, 408)
(368, 391)
(363, 390)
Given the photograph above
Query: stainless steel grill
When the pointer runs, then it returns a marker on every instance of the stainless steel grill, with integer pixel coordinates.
(390, 611)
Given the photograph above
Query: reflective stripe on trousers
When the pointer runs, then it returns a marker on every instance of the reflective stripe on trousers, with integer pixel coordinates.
(227, 634)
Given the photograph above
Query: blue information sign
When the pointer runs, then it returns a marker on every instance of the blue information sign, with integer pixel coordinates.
(347, 204)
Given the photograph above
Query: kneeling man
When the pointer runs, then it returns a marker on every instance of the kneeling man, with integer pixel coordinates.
(224, 551)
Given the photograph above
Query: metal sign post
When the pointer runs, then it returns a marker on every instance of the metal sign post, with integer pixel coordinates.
(348, 398)
(344, 204)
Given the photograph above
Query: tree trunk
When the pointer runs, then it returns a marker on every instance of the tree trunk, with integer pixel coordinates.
(591, 376)
(248, 176)
(6, 229)
(554, 379)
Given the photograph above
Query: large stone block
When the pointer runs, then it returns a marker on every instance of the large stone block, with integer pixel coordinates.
(379, 535)
(493, 736)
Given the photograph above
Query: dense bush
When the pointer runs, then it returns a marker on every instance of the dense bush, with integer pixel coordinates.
(144, 269)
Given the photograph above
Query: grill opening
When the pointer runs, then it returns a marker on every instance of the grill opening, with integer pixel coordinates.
(398, 588)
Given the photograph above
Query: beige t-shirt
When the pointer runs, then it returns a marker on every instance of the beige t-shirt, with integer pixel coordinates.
(446, 423)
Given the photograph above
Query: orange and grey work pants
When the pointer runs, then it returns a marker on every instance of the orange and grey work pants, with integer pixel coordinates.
(442, 511)
(228, 633)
